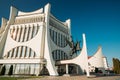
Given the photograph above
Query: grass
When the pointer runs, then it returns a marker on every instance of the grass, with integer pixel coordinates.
(8, 78)
(18, 78)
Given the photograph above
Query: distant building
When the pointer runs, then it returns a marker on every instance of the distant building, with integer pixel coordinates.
(97, 61)
(37, 43)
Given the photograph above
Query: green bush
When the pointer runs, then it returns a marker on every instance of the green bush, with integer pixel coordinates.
(10, 70)
(3, 70)
(8, 78)
(96, 70)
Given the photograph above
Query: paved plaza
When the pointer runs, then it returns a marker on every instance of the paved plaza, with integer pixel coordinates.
(77, 78)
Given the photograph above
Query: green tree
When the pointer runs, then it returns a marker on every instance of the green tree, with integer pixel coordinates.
(10, 70)
(116, 65)
(3, 70)
(113, 60)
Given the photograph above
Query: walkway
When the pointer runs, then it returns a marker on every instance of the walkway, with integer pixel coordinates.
(77, 78)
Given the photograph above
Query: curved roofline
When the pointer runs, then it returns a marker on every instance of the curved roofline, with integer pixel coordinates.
(95, 53)
(99, 47)
(20, 13)
(3, 24)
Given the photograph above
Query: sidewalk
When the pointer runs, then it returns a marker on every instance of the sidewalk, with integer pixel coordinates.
(77, 78)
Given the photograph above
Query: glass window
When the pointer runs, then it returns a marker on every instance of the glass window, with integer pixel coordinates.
(50, 31)
(58, 39)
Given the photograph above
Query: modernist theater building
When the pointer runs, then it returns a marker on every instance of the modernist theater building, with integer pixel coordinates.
(35, 43)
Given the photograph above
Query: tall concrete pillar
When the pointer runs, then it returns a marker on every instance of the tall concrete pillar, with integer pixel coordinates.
(67, 70)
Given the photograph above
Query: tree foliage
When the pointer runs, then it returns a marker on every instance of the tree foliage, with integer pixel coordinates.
(116, 65)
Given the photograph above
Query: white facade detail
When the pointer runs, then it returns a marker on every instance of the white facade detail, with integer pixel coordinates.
(35, 43)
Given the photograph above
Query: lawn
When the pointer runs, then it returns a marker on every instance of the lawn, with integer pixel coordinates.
(18, 78)
(8, 78)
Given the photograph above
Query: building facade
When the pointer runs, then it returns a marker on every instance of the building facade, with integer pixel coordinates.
(35, 43)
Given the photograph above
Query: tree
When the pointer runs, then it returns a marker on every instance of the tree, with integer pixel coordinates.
(116, 65)
(10, 70)
(3, 70)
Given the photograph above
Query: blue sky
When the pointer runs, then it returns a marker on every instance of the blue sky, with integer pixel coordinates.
(98, 19)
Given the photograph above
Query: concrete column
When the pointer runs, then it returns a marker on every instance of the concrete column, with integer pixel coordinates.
(14, 52)
(30, 34)
(14, 33)
(22, 33)
(11, 31)
(10, 54)
(26, 33)
(67, 69)
(19, 52)
(77, 68)
(18, 33)
(23, 52)
(35, 30)
(28, 52)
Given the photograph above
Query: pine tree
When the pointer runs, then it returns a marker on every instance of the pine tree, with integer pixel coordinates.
(3, 70)
(10, 70)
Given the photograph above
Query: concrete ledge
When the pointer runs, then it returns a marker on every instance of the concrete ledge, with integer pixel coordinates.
(66, 75)
(91, 76)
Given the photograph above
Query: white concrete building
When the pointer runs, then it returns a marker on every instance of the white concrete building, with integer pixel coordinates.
(98, 60)
(35, 43)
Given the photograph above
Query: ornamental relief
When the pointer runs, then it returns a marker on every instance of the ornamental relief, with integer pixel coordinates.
(23, 33)
(29, 20)
(21, 52)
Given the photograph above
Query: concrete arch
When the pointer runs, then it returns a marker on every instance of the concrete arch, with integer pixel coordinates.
(14, 54)
(20, 13)
(19, 33)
